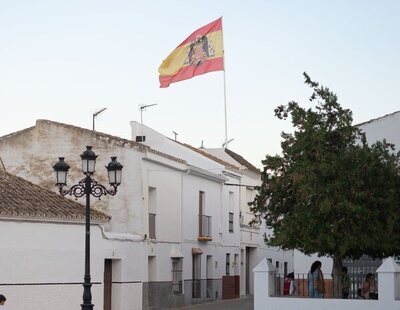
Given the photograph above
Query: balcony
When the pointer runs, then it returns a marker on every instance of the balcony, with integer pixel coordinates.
(204, 228)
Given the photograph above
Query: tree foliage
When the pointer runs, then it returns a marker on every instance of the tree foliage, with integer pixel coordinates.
(330, 192)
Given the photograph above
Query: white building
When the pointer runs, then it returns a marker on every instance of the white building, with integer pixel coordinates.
(252, 237)
(385, 127)
(30, 153)
(179, 231)
(238, 190)
(42, 246)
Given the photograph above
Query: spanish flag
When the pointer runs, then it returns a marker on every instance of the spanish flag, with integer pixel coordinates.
(200, 53)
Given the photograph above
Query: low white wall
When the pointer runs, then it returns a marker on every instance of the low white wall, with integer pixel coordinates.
(388, 291)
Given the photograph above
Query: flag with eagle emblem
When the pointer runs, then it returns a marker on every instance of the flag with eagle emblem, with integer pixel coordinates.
(200, 53)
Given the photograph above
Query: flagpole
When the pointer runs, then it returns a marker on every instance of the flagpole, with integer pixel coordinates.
(226, 120)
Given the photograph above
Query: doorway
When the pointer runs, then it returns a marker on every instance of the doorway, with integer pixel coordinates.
(107, 284)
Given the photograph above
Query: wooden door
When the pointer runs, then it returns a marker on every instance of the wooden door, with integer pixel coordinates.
(107, 283)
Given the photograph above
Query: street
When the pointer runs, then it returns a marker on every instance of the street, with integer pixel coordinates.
(236, 304)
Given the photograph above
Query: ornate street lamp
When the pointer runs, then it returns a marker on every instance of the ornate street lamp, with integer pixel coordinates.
(88, 186)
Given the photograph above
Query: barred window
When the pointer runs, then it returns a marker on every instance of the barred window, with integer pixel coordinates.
(228, 264)
(177, 276)
(230, 222)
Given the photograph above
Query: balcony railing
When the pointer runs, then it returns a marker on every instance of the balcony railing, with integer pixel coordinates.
(204, 228)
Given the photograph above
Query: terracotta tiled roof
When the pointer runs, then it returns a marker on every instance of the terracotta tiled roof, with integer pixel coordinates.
(212, 157)
(20, 198)
(242, 161)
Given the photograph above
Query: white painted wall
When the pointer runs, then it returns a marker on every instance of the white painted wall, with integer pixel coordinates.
(43, 266)
(163, 144)
(386, 127)
(166, 184)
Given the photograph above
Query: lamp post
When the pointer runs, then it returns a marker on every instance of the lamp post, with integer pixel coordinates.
(88, 186)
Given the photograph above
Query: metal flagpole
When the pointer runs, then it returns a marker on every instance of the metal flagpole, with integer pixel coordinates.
(226, 120)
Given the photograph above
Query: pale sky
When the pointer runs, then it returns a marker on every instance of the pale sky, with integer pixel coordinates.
(63, 60)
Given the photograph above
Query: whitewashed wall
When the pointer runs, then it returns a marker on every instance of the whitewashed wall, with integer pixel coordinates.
(386, 127)
(217, 194)
(204, 175)
(43, 267)
(165, 180)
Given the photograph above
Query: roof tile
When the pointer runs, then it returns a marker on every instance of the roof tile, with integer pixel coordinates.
(21, 198)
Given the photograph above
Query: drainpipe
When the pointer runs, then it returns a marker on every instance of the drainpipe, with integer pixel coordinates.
(181, 220)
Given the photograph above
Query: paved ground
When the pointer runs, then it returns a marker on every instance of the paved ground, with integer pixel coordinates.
(235, 304)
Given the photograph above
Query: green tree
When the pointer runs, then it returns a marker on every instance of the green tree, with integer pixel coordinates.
(330, 192)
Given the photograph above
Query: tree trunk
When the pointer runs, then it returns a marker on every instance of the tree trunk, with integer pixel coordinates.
(337, 276)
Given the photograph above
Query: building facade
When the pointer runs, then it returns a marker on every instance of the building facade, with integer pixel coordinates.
(42, 246)
(242, 244)
(178, 225)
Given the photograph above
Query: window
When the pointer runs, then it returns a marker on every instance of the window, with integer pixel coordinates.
(285, 266)
(231, 201)
(177, 276)
(231, 222)
(202, 218)
(202, 196)
(152, 212)
(152, 226)
(228, 264)
(277, 264)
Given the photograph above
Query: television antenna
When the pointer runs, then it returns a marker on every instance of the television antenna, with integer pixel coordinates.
(175, 133)
(142, 108)
(95, 114)
(225, 144)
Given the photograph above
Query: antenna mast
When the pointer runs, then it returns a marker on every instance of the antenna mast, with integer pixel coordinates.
(175, 133)
(97, 113)
(142, 108)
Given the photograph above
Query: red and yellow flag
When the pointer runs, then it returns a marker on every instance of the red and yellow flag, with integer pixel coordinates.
(200, 53)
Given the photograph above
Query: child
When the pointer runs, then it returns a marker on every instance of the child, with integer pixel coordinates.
(289, 286)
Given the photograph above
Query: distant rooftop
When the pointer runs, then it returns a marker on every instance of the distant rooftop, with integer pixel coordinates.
(242, 161)
(377, 119)
(212, 157)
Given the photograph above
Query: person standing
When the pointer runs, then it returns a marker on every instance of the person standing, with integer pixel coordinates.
(315, 279)
(345, 283)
